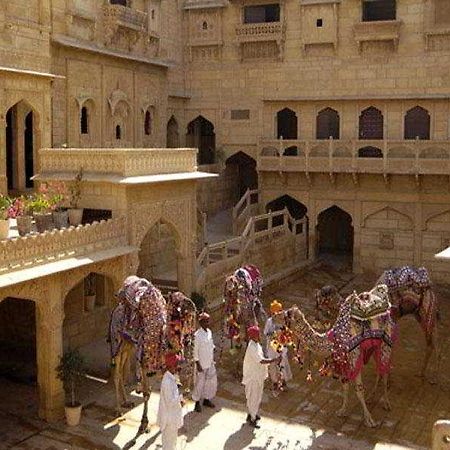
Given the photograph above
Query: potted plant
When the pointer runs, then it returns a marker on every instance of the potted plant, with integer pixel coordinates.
(19, 211)
(75, 213)
(5, 203)
(70, 369)
(40, 207)
(57, 194)
(89, 292)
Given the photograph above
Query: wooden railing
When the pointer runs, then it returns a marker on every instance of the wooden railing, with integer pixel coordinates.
(125, 162)
(34, 250)
(258, 230)
(395, 156)
(246, 207)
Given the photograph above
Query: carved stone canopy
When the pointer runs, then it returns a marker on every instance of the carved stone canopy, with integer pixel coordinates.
(116, 98)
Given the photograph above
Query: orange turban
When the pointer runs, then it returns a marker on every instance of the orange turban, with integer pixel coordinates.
(276, 307)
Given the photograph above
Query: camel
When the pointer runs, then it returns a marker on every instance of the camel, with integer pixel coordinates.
(363, 328)
(410, 293)
(145, 325)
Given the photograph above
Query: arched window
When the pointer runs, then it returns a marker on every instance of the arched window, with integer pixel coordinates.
(118, 132)
(84, 120)
(119, 2)
(327, 124)
(205, 25)
(417, 123)
(370, 152)
(148, 123)
(287, 124)
(371, 124)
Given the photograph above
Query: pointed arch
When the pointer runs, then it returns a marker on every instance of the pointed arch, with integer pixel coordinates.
(404, 222)
(201, 134)
(371, 124)
(172, 135)
(417, 123)
(327, 124)
(287, 124)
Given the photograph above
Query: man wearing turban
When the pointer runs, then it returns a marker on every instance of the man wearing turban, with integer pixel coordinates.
(170, 411)
(254, 374)
(274, 369)
(205, 376)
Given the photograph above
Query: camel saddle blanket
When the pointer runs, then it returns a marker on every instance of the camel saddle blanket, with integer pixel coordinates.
(371, 304)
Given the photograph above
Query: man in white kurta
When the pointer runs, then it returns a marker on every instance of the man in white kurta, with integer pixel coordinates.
(170, 411)
(254, 374)
(205, 376)
(274, 369)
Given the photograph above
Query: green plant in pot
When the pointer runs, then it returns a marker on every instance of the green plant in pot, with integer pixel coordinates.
(19, 210)
(71, 368)
(5, 204)
(75, 213)
(57, 194)
(90, 291)
(40, 207)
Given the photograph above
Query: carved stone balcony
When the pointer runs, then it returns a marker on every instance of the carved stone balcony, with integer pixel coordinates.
(259, 32)
(385, 157)
(384, 30)
(117, 165)
(126, 17)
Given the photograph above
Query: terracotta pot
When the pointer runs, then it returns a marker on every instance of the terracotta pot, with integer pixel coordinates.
(61, 219)
(73, 415)
(89, 302)
(4, 228)
(43, 221)
(75, 216)
(24, 224)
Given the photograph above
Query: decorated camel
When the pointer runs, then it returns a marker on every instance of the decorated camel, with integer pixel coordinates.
(363, 328)
(242, 307)
(410, 293)
(143, 325)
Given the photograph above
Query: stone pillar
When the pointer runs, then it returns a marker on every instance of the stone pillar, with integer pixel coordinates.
(3, 180)
(49, 344)
(357, 236)
(312, 238)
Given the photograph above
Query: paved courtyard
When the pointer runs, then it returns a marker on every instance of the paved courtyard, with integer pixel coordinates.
(302, 418)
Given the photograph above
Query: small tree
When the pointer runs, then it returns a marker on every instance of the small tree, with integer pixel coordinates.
(70, 368)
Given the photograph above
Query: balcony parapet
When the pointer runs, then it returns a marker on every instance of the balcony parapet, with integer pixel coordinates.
(384, 30)
(260, 32)
(27, 252)
(126, 17)
(386, 157)
(119, 163)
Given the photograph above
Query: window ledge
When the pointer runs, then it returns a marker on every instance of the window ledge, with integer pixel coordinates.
(382, 30)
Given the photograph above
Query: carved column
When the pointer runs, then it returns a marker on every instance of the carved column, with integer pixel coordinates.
(49, 344)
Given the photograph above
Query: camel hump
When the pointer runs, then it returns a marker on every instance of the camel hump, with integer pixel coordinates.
(368, 305)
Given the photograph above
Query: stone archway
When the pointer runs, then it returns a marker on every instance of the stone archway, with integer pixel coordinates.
(334, 234)
(159, 256)
(18, 355)
(201, 134)
(173, 138)
(22, 141)
(244, 168)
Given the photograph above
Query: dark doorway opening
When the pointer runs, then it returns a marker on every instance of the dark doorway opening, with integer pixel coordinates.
(173, 140)
(29, 157)
(371, 124)
(200, 134)
(417, 123)
(245, 167)
(327, 124)
(296, 209)
(287, 126)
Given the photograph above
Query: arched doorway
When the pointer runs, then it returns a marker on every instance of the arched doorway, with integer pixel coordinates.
(87, 309)
(335, 234)
(158, 256)
(18, 358)
(296, 209)
(243, 168)
(417, 123)
(20, 133)
(200, 134)
(327, 124)
(371, 124)
(287, 126)
(173, 139)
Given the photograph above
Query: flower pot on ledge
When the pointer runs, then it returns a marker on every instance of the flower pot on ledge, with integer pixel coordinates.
(44, 221)
(61, 219)
(73, 414)
(24, 225)
(75, 216)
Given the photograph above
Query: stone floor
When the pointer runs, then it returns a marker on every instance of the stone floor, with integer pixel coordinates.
(302, 418)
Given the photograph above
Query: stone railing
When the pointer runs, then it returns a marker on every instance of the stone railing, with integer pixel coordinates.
(409, 157)
(256, 32)
(120, 162)
(384, 30)
(246, 207)
(126, 17)
(51, 246)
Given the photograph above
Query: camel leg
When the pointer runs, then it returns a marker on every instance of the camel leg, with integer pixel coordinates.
(125, 371)
(146, 390)
(360, 394)
(118, 378)
(343, 411)
(374, 390)
(385, 398)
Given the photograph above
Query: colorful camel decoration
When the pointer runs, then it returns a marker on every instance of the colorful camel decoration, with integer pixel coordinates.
(145, 324)
(363, 328)
(410, 293)
(242, 308)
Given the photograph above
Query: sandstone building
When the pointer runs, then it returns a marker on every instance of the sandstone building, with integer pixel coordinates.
(337, 110)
